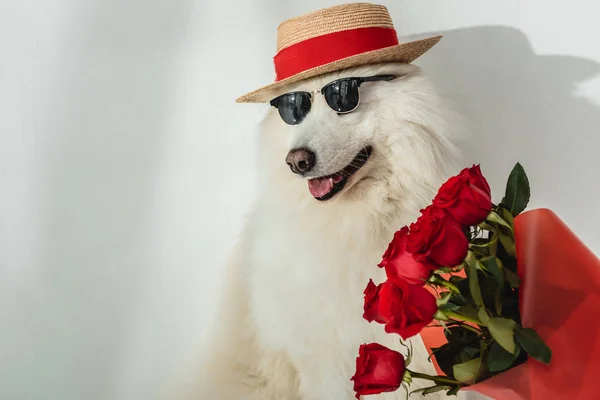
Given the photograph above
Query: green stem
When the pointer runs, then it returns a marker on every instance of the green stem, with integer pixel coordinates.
(441, 281)
(472, 329)
(454, 322)
(487, 244)
(436, 379)
(471, 258)
(458, 317)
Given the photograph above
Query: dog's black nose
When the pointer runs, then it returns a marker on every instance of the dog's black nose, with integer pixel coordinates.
(300, 161)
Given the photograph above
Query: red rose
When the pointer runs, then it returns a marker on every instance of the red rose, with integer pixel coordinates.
(404, 309)
(371, 307)
(399, 263)
(437, 238)
(378, 370)
(476, 179)
(466, 196)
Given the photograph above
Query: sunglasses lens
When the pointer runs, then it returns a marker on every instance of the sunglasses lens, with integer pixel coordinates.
(342, 96)
(293, 107)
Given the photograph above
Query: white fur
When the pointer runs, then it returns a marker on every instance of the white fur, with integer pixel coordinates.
(291, 321)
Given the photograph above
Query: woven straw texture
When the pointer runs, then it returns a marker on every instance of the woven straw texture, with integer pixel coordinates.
(336, 19)
(330, 20)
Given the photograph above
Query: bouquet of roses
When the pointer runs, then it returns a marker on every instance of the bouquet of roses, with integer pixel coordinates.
(454, 268)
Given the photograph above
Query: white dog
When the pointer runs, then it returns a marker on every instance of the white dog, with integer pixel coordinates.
(356, 143)
(291, 321)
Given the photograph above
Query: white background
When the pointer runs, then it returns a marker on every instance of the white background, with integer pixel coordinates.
(125, 164)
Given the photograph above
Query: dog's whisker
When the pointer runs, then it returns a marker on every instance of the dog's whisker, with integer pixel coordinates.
(355, 164)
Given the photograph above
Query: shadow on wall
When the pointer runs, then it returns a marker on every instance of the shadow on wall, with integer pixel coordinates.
(523, 106)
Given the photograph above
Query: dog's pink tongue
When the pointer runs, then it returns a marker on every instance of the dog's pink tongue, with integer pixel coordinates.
(319, 187)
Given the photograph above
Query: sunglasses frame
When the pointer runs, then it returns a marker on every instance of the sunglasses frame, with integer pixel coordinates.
(359, 81)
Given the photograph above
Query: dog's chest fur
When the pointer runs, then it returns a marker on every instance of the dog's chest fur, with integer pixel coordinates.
(306, 279)
(309, 275)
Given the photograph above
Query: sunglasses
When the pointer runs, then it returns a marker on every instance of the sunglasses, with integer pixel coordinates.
(342, 95)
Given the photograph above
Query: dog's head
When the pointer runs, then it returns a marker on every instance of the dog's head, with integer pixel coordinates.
(395, 142)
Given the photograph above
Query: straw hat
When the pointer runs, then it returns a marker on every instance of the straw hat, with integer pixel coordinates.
(335, 38)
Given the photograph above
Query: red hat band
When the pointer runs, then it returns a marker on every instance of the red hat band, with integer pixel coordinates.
(324, 49)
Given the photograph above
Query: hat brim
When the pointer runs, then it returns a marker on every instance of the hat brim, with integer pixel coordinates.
(402, 53)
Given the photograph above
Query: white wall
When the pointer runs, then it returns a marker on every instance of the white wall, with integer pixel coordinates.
(125, 165)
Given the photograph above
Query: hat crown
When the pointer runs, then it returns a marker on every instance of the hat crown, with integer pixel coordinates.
(331, 20)
(334, 39)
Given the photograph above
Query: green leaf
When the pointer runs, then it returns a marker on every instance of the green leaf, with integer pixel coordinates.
(517, 190)
(443, 299)
(434, 389)
(508, 242)
(468, 353)
(485, 247)
(481, 251)
(512, 278)
(534, 345)
(498, 300)
(499, 359)
(494, 217)
(479, 265)
(474, 285)
(484, 225)
(494, 265)
(483, 316)
(449, 307)
(441, 282)
(445, 356)
(453, 391)
(461, 336)
(440, 316)
(479, 242)
(493, 244)
(503, 332)
(443, 324)
(468, 311)
(506, 215)
(431, 389)
(467, 372)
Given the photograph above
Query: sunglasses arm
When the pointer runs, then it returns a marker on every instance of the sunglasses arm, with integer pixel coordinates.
(378, 78)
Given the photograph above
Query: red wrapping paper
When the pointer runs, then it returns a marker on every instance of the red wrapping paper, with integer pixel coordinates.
(560, 299)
